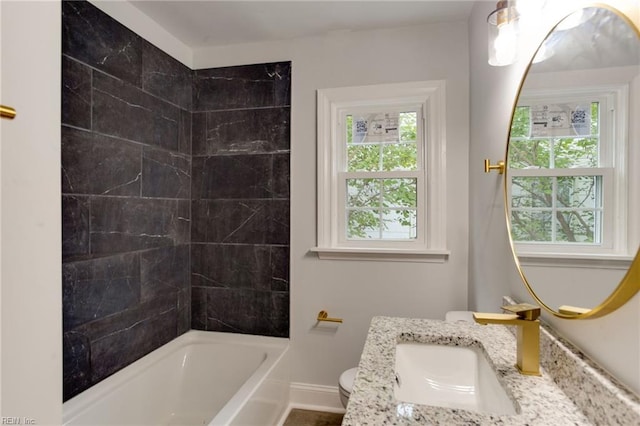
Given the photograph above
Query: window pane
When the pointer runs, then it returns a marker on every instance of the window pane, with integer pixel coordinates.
(385, 141)
(526, 154)
(577, 226)
(402, 156)
(575, 152)
(532, 192)
(373, 128)
(399, 224)
(395, 218)
(521, 122)
(408, 126)
(349, 128)
(560, 119)
(579, 191)
(400, 193)
(531, 226)
(363, 224)
(363, 192)
(363, 158)
(595, 118)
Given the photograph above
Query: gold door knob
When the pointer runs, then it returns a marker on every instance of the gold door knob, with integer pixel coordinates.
(7, 112)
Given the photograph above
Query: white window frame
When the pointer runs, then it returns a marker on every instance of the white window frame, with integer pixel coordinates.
(430, 244)
(614, 250)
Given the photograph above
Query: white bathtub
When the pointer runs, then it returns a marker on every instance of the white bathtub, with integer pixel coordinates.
(200, 378)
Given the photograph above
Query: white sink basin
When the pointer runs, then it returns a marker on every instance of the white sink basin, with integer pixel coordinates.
(448, 376)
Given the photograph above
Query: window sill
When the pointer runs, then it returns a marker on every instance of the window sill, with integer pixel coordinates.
(583, 260)
(388, 255)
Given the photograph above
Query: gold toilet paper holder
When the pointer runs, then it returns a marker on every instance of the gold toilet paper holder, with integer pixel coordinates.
(324, 316)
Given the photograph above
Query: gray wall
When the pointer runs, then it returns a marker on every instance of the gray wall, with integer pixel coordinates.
(127, 201)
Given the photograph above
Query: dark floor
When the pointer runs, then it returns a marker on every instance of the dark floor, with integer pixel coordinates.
(298, 417)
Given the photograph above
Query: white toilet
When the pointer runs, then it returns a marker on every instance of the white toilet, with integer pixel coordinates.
(346, 385)
(456, 316)
(348, 377)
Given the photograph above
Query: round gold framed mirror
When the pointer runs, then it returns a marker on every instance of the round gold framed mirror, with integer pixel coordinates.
(572, 181)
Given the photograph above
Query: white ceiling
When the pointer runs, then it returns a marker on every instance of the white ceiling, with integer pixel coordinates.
(216, 22)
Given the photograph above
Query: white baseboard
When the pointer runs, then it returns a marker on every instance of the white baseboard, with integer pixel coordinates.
(315, 397)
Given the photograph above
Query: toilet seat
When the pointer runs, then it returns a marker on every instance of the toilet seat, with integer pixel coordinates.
(345, 384)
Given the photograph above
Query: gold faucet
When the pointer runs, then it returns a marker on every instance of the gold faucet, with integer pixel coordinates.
(525, 317)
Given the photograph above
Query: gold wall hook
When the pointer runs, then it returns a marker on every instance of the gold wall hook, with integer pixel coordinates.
(324, 316)
(7, 112)
(499, 167)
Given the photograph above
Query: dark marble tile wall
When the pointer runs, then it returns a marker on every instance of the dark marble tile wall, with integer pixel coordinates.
(240, 199)
(169, 177)
(126, 191)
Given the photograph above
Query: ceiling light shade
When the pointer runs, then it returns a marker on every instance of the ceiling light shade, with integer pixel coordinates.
(503, 34)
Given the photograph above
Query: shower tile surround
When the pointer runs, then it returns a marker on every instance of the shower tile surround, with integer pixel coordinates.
(240, 199)
(175, 197)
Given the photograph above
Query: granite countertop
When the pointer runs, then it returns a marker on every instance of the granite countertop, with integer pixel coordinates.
(537, 399)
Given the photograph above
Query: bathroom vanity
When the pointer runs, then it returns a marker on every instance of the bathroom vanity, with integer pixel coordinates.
(536, 399)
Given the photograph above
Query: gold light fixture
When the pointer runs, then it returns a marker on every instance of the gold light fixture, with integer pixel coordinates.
(503, 33)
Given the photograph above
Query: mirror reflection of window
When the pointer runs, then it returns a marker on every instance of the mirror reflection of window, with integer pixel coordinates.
(563, 171)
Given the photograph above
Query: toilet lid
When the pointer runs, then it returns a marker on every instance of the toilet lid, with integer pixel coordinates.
(347, 378)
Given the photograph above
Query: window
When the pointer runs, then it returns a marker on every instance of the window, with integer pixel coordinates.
(566, 180)
(382, 175)
(381, 172)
